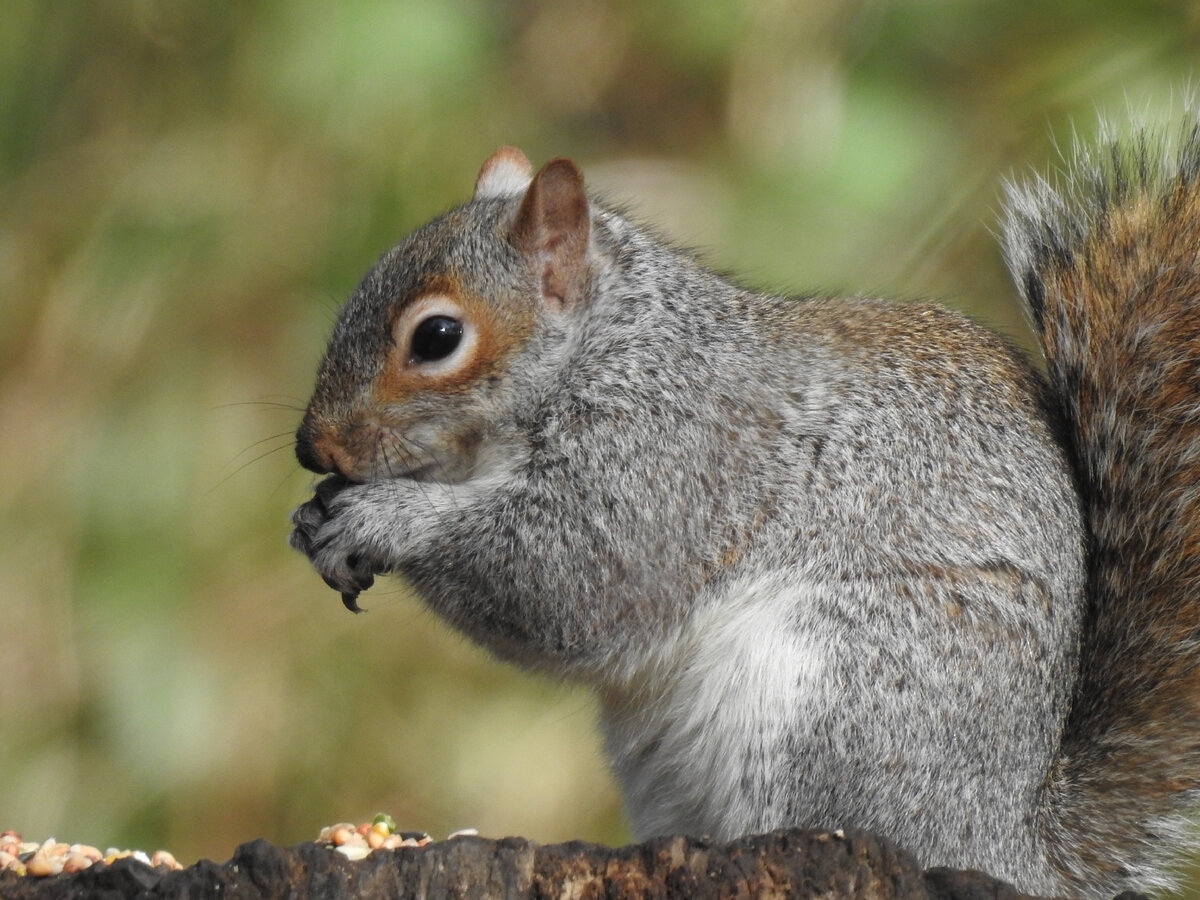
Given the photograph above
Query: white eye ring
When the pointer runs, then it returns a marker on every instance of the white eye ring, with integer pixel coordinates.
(435, 335)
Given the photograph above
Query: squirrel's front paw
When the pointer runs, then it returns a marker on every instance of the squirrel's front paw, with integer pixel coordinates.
(325, 535)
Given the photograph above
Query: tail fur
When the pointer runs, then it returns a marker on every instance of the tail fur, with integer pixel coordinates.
(1109, 265)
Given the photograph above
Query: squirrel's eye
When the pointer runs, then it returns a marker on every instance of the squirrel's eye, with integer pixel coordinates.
(435, 338)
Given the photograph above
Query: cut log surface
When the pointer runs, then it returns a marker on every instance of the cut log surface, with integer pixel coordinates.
(783, 864)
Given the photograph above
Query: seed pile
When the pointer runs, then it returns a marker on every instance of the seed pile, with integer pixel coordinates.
(356, 841)
(51, 857)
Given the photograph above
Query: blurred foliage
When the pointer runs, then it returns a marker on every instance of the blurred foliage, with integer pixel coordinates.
(187, 189)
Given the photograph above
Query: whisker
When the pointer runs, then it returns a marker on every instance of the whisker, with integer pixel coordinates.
(402, 443)
(283, 403)
(284, 480)
(273, 437)
(252, 461)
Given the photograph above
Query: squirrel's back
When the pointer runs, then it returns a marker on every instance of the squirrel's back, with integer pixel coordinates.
(1109, 265)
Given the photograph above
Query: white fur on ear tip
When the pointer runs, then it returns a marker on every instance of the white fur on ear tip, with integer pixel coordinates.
(506, 172)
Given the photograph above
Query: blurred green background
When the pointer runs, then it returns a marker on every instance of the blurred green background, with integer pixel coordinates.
(187, 192)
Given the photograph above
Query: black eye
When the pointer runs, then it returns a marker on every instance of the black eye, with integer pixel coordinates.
(435, 338)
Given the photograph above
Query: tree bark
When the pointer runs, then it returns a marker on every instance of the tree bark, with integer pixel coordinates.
(783, 864)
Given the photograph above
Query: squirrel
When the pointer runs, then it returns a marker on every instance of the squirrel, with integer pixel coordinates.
(827, 562)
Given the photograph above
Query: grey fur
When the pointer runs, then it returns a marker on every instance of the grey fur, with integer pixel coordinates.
(822, 559)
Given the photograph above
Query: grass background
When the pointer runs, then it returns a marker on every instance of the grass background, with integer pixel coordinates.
(188, 190)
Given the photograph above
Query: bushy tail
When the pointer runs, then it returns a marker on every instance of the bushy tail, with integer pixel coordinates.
(1109, 264)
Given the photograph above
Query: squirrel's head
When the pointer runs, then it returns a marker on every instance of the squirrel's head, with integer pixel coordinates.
(424, 363)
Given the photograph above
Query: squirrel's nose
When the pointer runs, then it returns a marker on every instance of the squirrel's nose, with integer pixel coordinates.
(309, 454)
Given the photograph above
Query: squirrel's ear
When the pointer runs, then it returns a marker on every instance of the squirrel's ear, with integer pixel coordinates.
(506, 172)
(551, 229)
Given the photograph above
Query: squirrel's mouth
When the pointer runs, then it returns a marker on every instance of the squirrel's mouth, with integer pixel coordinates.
(448, 470)
(377, 452)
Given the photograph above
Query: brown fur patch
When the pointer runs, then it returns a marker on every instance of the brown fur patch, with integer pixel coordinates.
(1120, 283)
(496, 335)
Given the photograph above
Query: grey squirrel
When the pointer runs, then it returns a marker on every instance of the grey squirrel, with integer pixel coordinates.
(827, 562)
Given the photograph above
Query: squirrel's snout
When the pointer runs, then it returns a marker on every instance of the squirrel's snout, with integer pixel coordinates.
(307, 455)
(324, 450)
(310, 454)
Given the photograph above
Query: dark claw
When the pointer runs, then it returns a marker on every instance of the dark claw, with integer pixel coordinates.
(364, 576)
(360, 580)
